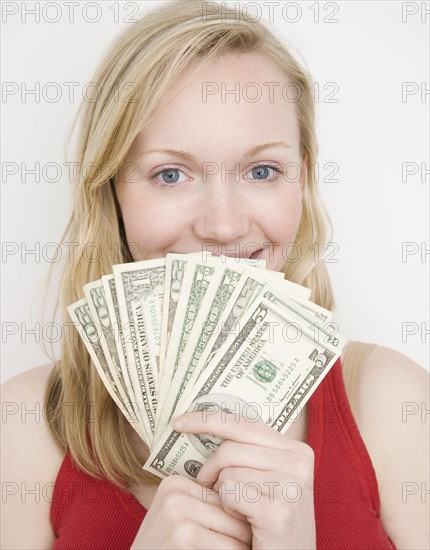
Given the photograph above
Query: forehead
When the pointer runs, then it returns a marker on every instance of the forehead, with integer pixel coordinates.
(237, 96)
(231, 68)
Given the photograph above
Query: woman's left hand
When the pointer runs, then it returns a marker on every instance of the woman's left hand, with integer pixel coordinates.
(261, 475)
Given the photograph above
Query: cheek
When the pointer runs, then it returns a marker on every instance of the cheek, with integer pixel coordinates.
(282, 226)
(150, 224)
(285, 214)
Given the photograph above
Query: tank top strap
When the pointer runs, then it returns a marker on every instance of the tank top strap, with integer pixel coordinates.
(354, 361)
(59, 494)
(331, 425)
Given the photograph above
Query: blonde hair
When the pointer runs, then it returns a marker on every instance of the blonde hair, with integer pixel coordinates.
(139, 67)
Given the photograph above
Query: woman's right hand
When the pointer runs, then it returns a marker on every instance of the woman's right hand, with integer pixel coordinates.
(185, 514)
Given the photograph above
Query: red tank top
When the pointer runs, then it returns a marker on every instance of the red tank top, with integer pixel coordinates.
(89, 513)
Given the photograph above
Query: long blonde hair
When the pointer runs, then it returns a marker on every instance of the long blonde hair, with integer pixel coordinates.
(139, 67)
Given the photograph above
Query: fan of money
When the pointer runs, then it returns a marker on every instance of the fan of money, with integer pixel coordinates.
(197, 332)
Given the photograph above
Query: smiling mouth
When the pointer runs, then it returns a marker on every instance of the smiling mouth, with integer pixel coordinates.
(257, 254)
(254, 256)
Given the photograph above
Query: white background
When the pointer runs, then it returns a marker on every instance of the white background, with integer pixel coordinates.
(368, 133)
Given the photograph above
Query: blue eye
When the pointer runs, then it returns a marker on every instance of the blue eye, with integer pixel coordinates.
(262, 170)
(170, 177)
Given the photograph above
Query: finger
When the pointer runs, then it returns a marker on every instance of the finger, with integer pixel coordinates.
(231, 453)
(188, 500)
(252, 485)
(217, 519)
(215, 500)
(196, 536)
(231, 426)
(178, 485)
(245, 499)
(255, 499)
(265, 484)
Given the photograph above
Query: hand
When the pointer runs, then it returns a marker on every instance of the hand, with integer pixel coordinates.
(184, 515)
(262, 476)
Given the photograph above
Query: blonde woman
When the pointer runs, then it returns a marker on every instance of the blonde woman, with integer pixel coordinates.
(349, 452)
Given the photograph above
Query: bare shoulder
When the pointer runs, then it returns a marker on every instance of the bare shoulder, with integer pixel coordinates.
(30, 462)
(394, 424)
(24, 427)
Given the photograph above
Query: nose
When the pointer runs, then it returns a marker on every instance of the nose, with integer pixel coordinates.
(221, 216)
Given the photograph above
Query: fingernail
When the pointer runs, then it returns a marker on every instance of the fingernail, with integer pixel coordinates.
(179, 422)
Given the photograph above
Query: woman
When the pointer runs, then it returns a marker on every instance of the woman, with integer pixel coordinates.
(222, 180)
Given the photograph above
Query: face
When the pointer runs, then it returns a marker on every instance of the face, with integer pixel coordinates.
(216, 188)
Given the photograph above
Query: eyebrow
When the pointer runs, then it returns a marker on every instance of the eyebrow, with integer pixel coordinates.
(187, 156)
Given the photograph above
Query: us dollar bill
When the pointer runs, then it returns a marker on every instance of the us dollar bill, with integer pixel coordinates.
(199, 303)
(191, 309)
(95, 296)
(140, 291)
(121, 334)
(175, 270)
(221, 287)
(247, 287)
(260, 372)
(196, 281)
(316, 317)
(89, 332)
(224, 280)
